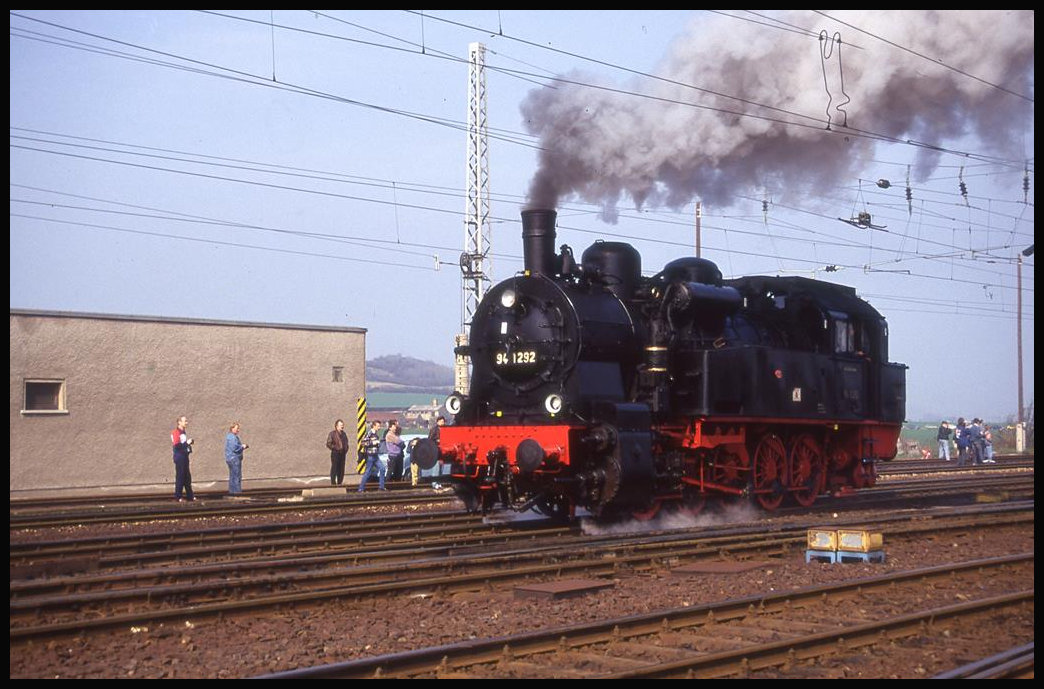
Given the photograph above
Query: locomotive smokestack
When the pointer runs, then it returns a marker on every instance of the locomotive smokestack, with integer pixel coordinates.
(538, 240)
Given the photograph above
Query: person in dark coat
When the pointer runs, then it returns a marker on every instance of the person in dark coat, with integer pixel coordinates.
(943, 436)
(976, 443)
(337, 443)
(434, 434)
(436, 430)
(962, 436)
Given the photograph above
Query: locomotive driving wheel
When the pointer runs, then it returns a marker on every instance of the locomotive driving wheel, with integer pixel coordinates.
(807, 469)
(770, 466)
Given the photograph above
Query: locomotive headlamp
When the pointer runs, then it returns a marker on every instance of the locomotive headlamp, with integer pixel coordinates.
(508, 298)
(454, 403)
(553, 403)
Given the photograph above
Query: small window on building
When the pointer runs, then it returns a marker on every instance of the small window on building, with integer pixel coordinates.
(338, 374)
(44, 396)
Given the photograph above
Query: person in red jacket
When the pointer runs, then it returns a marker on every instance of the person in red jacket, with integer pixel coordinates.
(182, 445)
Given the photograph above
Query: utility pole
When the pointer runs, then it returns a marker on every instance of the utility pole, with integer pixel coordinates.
(1019, 337)
(1020, 428)
(475, 268)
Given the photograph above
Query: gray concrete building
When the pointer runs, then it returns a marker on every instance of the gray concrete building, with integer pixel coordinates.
(94, 397)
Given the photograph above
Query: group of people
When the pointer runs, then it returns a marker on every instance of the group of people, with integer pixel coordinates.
(387, 454)
(385, 451)
(974, 442)
(182, 447)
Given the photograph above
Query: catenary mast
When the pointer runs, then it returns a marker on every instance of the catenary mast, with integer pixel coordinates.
(474, 262)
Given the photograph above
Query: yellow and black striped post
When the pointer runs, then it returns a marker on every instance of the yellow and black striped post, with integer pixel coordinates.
(360, 431)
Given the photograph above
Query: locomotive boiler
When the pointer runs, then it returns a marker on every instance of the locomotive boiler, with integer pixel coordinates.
(596, 387)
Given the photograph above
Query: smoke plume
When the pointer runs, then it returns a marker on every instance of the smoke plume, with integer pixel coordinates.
(604, 145)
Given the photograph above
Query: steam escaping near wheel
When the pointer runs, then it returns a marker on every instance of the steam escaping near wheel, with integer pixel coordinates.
(738, 513)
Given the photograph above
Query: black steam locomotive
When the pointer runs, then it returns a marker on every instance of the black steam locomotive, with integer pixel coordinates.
(595, 387)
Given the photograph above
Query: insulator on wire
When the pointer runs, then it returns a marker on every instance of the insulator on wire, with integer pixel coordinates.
(764, 210)
(909, 192)
(1025, 185)
(963, 186)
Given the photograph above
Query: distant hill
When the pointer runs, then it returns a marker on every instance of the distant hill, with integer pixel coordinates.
(397, 373)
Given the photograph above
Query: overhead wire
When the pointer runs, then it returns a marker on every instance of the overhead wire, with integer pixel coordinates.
(645, 239)
(814, 123)
(380, 46)
(321, 177)
(934, 61)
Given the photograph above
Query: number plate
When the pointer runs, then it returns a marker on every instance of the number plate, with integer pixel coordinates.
(521, 357)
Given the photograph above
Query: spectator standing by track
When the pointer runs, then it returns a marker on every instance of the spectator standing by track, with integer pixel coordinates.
(182, 446)
(962, 436)
(337, 443)
(435, 435)
(396, 450)
(943, 436)
(371, 442)
(976, 444)
(234, 459)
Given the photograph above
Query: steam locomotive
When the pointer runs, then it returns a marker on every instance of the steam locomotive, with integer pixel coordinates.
(595, 387)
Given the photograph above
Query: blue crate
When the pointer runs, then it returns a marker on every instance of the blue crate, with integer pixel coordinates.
(872, 556)
(821, 556)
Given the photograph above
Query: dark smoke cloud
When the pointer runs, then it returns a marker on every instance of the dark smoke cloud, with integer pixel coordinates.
(603, 146)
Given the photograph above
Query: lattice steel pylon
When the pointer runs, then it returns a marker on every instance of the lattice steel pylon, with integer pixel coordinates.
(475, 267)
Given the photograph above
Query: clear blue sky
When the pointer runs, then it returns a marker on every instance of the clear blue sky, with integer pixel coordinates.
(309, 167)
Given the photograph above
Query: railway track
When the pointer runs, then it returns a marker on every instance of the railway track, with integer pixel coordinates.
(766, 635)
(30, 515)
(229, 542)
(236, 540)
(109, 496)
(47, 516)
(1012, 663)
(75, 603)
(923, 466)
(22, 505)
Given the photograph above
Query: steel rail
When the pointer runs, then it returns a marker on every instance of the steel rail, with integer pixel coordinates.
(201, 509)
(435, 574)
(440, 660)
